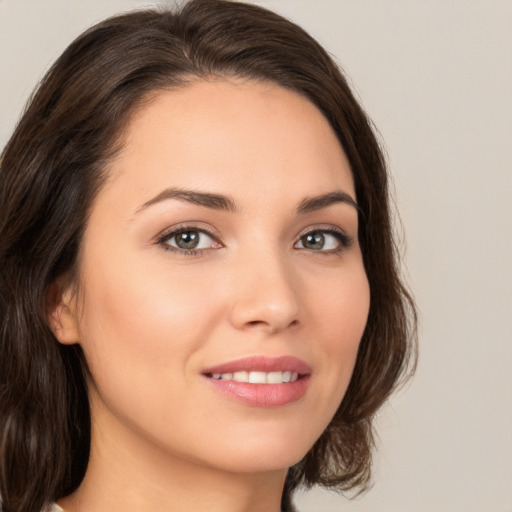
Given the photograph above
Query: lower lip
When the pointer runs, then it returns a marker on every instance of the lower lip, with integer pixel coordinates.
(262, 395)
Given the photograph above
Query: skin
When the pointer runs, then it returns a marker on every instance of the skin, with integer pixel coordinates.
(150, 319)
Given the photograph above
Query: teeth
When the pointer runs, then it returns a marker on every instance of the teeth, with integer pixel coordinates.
(258, 377)
(275, 378)
(240, 376)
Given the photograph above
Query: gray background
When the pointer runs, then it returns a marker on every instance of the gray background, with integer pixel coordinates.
(436, 77)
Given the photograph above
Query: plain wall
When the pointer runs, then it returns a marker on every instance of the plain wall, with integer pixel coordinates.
(436, 77)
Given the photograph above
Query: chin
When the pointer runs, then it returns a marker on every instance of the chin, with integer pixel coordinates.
(264, 453)
(263, 463)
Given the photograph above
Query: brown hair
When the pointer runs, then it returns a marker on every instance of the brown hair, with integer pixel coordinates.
(54, 164)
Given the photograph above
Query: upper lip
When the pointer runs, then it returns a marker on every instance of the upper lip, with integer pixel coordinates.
(262, 364)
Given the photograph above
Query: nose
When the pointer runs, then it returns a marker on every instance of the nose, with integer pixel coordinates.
(266, 294)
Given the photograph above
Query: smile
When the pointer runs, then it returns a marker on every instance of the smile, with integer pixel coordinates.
(261, 381)
(259, 377)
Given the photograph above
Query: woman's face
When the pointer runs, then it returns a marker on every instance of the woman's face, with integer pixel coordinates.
(224, 242)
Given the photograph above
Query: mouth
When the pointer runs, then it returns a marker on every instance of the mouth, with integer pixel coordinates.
(255, 377)
(261, 381)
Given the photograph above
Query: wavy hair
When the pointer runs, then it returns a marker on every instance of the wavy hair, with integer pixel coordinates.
(53, 166)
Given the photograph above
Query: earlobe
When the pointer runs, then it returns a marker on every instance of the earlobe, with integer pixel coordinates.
(62, 311)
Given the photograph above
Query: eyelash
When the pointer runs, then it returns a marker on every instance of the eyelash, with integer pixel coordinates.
(344, 240)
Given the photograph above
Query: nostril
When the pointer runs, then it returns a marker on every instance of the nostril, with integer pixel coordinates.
(271, 327)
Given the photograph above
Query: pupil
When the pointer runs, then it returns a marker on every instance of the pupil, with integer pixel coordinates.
(314, 241)
(187, 240)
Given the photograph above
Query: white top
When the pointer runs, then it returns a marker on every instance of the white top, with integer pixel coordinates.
(55, 507)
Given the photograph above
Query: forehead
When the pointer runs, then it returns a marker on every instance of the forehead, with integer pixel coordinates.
(234, 135)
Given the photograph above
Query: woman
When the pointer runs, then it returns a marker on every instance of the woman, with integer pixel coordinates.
(201, 306)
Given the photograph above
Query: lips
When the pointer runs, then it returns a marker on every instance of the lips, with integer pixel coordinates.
(262, 364)
(261, 381)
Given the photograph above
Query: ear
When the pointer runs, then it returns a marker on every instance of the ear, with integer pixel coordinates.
(62, 311)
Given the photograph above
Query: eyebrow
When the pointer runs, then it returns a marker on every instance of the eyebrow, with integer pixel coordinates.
(311, 204)
(214, 201)
(222, 202)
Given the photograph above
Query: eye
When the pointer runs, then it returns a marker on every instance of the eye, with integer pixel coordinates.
(188, 240)
(326, 240)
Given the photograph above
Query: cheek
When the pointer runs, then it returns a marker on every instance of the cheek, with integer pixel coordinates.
(140, 330)
(141, 309)
(341, 315)
(139, 324)
(343, 304)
